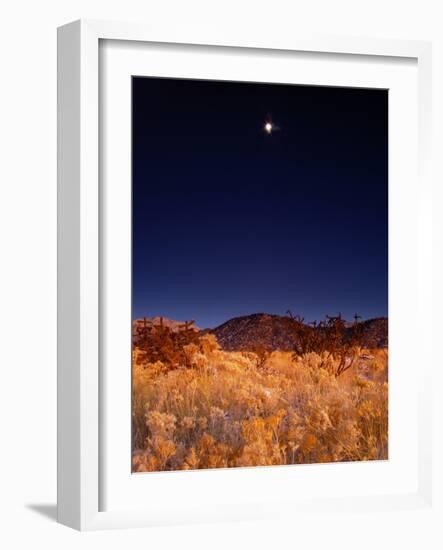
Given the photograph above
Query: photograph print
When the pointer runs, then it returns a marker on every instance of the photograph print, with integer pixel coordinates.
(259, 274)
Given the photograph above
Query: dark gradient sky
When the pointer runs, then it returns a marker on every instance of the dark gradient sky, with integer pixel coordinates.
(229, 221)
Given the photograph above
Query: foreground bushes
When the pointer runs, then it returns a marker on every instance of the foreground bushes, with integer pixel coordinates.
(228, 409)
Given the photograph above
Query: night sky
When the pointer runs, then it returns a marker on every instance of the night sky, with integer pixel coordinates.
(229, 220)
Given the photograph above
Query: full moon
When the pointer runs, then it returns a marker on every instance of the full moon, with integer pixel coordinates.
(268, 127)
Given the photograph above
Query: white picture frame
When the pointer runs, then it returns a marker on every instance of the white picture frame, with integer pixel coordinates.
(80, 413)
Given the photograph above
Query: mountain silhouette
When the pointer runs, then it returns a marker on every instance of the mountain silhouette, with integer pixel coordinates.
(276, 332)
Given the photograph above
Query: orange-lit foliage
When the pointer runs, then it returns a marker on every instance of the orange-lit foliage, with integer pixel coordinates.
(220, 409)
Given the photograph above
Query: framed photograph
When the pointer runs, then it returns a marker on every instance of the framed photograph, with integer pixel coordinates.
(244, 275)
(256, 226)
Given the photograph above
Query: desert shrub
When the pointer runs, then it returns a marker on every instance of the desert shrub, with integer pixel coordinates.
(333, 340)
(221, 409)
(161, 343)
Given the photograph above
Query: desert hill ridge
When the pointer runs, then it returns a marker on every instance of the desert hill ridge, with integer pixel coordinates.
(171, 324)
(271, 331)
(277, 332)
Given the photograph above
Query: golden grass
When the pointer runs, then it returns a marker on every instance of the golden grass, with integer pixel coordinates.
(227, 411)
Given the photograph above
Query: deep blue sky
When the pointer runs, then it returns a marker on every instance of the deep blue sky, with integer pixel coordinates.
(229, 221)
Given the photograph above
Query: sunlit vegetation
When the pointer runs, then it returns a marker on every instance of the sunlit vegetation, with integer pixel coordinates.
(197, 406)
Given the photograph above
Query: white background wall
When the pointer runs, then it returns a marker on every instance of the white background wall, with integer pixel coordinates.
(28, 265)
